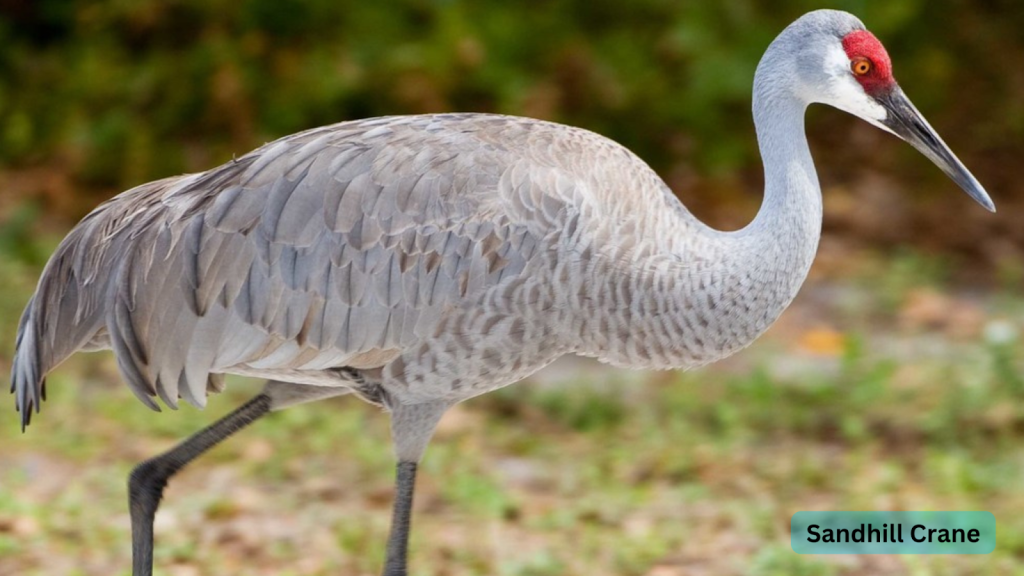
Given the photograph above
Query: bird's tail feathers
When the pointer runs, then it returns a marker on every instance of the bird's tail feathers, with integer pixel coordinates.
(28, 384)
(63, 316)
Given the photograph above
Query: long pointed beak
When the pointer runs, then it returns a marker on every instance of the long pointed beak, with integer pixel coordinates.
(907, 123)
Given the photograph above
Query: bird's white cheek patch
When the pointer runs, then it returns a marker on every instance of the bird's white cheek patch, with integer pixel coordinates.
(851, 98)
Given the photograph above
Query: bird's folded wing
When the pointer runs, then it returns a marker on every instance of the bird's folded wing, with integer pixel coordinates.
(314, 249)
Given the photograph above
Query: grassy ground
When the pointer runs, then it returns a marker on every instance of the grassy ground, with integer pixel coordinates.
(886, 390)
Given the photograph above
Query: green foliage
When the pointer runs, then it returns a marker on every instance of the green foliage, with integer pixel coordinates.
(124, 92)
(835, 407)
(781, 561)
(584, 409)
(907, 270)
(17, 239)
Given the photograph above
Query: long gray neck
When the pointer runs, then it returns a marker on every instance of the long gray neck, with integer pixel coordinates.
(710, 293)
(792, 196)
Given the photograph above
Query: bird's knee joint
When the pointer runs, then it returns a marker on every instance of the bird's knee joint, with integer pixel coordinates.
(150, 478)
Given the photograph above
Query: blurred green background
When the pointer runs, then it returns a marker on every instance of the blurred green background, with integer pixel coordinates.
(894, 382)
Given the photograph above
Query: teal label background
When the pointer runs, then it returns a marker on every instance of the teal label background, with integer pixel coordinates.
(984, 522)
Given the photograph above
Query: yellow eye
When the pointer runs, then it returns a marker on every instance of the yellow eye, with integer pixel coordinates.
(860, 66)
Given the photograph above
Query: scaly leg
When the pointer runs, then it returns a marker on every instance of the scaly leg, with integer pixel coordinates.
(147, 481)
(401, 520)
(411, 429)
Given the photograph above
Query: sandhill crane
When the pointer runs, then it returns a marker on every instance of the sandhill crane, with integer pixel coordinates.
(418, 261)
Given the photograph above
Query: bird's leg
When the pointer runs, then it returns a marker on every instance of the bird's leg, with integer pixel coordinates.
(411, 429)
(147, 481)
(401, 520)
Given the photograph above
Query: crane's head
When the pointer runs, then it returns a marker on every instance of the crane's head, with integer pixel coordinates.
(836, 61)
